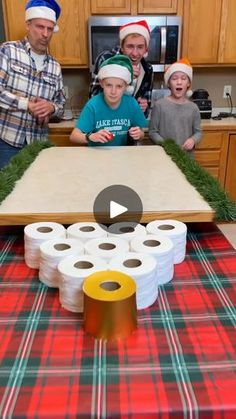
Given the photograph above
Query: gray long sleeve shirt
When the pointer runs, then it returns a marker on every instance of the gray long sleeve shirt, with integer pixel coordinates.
(170, 120)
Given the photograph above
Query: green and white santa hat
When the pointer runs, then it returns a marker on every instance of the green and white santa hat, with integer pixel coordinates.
(119, 66)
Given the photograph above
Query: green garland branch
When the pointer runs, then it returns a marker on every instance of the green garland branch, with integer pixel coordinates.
(203, 182)
(10, 174)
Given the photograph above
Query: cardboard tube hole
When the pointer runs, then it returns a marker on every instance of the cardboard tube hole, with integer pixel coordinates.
(166, 227)
(110, 286)
(87, 229)
(132, 263)
(44, 229)
(61, 246)
(107, 246)
(151, 243)
(83, 264)
(127, 229)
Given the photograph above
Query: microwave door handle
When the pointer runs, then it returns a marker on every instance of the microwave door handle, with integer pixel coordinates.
(163, 45)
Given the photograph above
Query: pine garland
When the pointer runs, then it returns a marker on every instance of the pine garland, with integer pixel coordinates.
(204, 183)
(10, 174)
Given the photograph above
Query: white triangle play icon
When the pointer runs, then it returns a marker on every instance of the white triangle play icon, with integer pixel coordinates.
(116, 209)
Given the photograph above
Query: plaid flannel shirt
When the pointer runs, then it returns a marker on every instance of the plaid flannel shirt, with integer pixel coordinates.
(145, 89)
(20, 82)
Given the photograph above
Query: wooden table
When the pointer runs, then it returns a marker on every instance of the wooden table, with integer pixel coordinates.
(62, 184)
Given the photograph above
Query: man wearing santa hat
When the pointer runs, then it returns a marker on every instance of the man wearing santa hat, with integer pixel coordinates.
(31, 85)
(134, 41)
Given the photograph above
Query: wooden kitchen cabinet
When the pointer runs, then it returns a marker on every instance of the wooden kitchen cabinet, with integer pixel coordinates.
(103, 7)
(60, 136)
(227, 50)
(209, 31)
(211, 153)
(14, 19)
(134, 7)
(230, 180)
(69, 45)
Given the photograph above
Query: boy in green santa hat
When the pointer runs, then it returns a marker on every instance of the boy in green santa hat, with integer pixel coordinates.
(110, 117)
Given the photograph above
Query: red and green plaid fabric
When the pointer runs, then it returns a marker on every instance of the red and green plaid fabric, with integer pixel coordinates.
(180, 363)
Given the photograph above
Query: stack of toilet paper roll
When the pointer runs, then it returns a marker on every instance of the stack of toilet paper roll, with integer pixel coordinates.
(66, 257)
(174, 230)
(51, 253)
(73, 271)
(142, 268)
(86, 231)
(162, 249)
(37, 233)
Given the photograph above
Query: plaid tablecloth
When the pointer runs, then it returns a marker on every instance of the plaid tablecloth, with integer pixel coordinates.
(180, 363)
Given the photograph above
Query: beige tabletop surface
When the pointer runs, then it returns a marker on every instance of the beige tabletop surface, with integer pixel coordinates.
(63, 182)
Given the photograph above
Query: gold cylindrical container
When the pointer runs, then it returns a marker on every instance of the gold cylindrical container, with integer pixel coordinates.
(109, 305)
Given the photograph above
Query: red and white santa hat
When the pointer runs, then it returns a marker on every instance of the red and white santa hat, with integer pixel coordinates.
(181, 65)
(141, 28)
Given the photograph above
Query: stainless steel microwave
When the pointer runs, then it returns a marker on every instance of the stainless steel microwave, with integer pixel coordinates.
(164, 47)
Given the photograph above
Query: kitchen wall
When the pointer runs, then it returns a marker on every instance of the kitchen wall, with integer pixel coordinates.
(211, 79)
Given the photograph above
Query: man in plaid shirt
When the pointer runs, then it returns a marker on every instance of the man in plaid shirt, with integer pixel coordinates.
(31, 85)
(134, 39)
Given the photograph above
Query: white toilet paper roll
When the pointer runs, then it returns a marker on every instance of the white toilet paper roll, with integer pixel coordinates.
(176, 231)
(179, 253)
(86, 231)
(51, 253)
(126, 230)
(170, 228)
(107, 247)
(157, 245)
(160, 247)
(73, 270)
(37, 233)
(142, 268)
(164, 277)
(145, 300)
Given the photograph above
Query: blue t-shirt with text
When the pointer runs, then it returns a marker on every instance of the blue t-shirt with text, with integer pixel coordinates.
(97, 115)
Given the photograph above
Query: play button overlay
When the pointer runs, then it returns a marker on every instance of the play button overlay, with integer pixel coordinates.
(117, 203)
(116, 209)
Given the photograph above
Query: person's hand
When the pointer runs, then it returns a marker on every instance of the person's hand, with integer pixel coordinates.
(188, 144)
(143, 103)
(136, 70)
(135, 133)
(43, 121)
(40, 108)
(102, 136)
